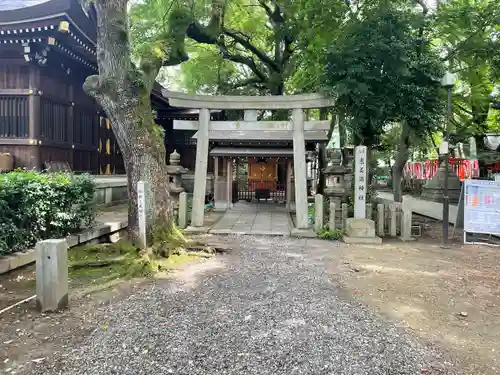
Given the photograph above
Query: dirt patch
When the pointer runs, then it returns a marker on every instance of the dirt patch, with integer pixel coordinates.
(448, 296)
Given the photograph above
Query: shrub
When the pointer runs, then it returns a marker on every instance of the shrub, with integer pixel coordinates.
(327, 234)
(36, 206)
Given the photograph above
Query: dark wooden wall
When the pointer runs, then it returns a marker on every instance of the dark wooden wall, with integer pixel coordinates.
(46, 116)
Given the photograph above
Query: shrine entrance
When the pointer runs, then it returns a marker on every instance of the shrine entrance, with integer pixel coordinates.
(253, 175)
(253, 159)
(261, 179)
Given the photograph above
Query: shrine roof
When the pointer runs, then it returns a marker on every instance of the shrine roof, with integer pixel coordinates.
(16, 15)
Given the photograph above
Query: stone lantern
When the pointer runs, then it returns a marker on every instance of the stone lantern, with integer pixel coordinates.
(175, 172)
(336, 188)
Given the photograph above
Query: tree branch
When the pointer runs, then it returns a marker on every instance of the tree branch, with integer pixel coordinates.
(245, 60)
(245, 42)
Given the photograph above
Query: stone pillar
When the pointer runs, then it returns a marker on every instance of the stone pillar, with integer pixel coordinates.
(406, 221)
(200, 173)
(229, 168)
(250, 115)
(142, 188)
(318, 213)
(381, 220)
(288, 184)
(360, 182)
(299, 162)
(183, 207)
(51, 275)
(393, 229)
(331, 221)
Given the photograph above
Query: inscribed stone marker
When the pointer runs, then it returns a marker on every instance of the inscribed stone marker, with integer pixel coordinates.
(360, 153)
(141, 213)
(51, 275)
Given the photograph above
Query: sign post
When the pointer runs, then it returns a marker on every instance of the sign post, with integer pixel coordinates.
(141, 213)
(481, 208)
(360, 181)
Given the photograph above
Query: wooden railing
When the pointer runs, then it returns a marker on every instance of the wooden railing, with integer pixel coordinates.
(14, 117)
(246, 190)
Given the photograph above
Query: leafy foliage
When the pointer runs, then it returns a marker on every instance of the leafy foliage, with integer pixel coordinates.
(36, 206)
(382, 70)
(468, 34)
(327, 234)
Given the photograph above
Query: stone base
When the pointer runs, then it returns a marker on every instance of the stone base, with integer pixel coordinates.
(407, 239)
(362, 240)
(196, 230)
(361, 231)
(304, 233)
(364, 228)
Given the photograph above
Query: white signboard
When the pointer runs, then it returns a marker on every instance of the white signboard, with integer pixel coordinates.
(482, 207)
(360, 182)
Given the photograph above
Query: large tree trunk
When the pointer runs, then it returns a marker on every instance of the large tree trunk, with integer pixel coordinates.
(401, 159)
(123, 92)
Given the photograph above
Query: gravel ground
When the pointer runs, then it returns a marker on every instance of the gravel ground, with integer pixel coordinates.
(267, 308)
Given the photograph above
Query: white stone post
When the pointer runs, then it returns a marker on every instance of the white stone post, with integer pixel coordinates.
(183, 207)
(288, 184)
(51, 275)
(200, 173)
(318, 213)
(142, 188)
(299, 162)
(229, 167)
(360, 182)
(406, 221)
(331, 219)
(381, 219)
(393, 229)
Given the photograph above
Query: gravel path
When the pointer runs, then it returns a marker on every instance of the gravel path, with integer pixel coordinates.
(267, 308)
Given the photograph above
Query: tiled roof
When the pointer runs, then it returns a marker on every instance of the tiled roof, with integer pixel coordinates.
(18, 4)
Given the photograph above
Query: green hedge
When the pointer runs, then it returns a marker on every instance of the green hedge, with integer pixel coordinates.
(36, 206)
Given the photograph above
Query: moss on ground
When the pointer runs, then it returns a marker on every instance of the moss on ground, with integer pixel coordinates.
(102, 263)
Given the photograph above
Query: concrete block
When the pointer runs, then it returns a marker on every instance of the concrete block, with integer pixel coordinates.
(360, 228)
(19, 259)
(52, 275)
(93, 233)
(318, 212)
(304, 233)
(4, 265)
(72, 240)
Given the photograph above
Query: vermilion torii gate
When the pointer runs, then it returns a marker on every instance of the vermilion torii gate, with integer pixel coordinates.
(296, 131)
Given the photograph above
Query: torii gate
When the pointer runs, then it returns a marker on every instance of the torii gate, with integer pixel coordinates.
(297, 130)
